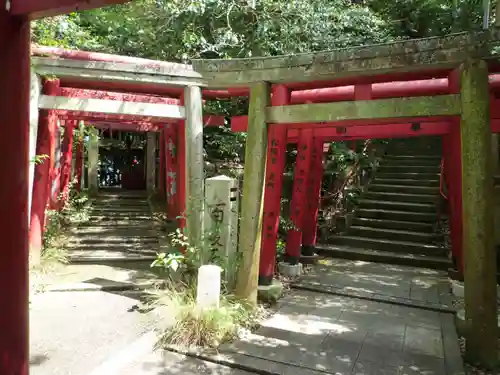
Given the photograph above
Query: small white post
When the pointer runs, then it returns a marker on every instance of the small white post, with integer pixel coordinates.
(208, 289)
(221, 224)
(35, 90)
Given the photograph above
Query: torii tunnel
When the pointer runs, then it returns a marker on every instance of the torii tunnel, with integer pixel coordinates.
(438, 86)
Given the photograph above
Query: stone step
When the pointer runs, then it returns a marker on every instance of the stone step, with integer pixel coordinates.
(92, 239)
(405, 189)
(120, 193)
(406, 182)
(436, 158)
(402, 197)
(421, 217)
(408, 168)
(392, 234)
(393, 224)
(392, 162)
(388, 245)
(376, 256)
(120, 203)
(109, 222)
(101, 216)
(398, 205)
(112, 257)
(120, 209)
(404, 175)
(111, 230)
(121, 245)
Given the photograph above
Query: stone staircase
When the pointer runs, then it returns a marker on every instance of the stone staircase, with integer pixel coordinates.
(120, 229)
(396, 218)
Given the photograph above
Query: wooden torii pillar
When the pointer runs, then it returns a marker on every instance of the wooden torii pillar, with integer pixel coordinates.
(15, 106)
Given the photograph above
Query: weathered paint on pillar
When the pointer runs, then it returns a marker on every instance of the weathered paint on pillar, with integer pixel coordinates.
(298, 205)
(181, 171)
(495, 156)
(35, 90)
(161, 172)
(275, 165)
(477, 188)
(79, 158)
(310, 223)
(67, 158)
(452, 150)
(253, 192)
(47, 124)
(195, 181)
(14, 143)
(55, 167)
(150, 162)
(171, 164)
(93, 161)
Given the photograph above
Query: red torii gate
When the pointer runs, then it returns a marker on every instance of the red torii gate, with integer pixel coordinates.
(14, 105)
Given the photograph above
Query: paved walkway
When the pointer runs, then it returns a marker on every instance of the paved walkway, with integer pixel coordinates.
(316, 333)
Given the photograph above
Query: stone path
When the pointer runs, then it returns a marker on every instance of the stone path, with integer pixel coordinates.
(420, 287)
(316, 333)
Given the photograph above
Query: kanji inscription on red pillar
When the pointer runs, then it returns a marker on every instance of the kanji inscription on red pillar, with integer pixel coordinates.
(275, 164)
(452, 151)
(67, 159)
(298, 205)
(79, 161)
(171, 164)
(161, 184)
(310, 223)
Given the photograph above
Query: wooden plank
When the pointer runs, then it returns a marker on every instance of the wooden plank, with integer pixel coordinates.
(112, 106)
(443, 105)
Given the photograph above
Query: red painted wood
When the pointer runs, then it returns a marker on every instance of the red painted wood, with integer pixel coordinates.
(79, 163)
(161, 177)
(67, 159)
(453, 173)
(48, 8)
(146, 123)
(55, 167)
(172, 175)
(14, 107)
(123, 97)
(377, 131)
(181, 172)
(310, 223)
(275, 164)
(299, 203)
(47, 124)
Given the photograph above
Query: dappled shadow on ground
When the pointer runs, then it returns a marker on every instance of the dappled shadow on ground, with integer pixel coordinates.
(380, 281)
(37, 359)
(320, 333)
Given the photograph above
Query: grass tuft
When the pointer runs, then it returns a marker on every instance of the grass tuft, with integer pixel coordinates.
(208, 328)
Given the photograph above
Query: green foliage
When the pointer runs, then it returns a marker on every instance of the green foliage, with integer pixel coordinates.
(204, 327)
(38, 159)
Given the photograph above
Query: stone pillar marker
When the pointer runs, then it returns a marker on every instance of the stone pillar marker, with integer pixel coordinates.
(150, 162)
(93, 161)
(221, 224)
